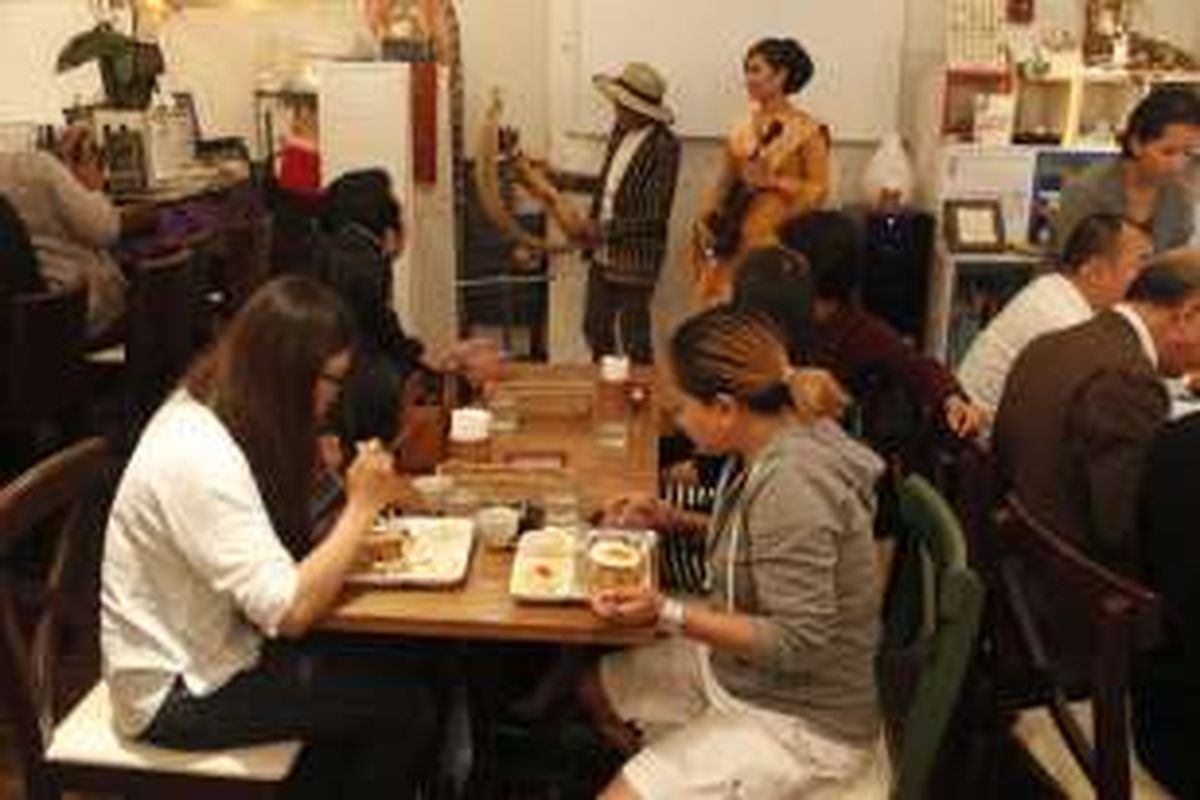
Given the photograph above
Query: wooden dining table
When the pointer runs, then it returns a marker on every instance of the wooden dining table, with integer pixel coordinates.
(481, 607)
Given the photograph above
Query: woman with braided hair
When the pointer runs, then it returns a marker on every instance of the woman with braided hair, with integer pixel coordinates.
(766, 688)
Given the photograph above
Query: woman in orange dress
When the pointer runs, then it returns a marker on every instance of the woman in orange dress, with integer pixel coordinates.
(776, 167)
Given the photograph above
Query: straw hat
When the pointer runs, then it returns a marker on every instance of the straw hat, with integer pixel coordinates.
(639, 88)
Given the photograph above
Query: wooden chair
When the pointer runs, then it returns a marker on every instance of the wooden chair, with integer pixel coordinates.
(965, 473)
(159, 331)
(295, 240)
(930, 634)
(82, 752)
(247, 262)
(1080, 626)
(210, 297)
(161, 309)
(41, 356)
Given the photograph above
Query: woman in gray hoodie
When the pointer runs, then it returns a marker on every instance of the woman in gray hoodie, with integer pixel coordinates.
(764, 689)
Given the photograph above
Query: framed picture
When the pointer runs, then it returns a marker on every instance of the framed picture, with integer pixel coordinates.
(974, 226)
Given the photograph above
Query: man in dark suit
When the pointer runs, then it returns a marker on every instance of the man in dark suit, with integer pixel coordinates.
(630, 212)
(1082, 405)
(1166, 685)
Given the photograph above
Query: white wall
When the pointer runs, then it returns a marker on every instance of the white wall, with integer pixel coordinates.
(524, 47)
(701, 160)
(506, 44)
(222, 54)
(32, 32)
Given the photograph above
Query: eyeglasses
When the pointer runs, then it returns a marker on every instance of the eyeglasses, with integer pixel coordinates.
(332, 378)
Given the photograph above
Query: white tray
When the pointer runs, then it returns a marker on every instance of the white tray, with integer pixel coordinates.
(442, 547)
(524, 585)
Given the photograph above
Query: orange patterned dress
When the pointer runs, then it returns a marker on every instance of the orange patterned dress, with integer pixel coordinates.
(796, 163)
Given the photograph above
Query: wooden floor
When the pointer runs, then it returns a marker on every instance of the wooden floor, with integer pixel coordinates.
(1016, 776)
(1038, 735)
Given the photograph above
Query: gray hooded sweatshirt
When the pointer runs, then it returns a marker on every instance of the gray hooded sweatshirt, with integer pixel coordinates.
(804, 570)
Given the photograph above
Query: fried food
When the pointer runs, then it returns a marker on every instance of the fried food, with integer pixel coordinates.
(388, 552)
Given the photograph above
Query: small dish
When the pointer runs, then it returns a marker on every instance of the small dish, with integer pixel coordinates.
(544, 568)
(434, 489)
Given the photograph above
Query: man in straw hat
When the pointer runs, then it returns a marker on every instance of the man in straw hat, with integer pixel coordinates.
(630, 212)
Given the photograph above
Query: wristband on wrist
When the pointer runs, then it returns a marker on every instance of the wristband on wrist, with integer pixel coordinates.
(672, 615)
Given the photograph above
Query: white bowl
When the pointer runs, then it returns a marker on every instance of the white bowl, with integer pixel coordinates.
(498, 526)
(548, 543)
(433, 488)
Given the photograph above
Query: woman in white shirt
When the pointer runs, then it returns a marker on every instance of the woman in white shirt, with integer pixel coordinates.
(210, 580)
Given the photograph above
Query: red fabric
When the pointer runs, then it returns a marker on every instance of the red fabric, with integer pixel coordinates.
(424, 122)
(300, 169)
(854, 342)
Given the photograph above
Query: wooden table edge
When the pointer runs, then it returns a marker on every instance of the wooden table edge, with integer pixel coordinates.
(483, 630)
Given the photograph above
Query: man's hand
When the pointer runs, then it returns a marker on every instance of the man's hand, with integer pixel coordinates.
(964, 419)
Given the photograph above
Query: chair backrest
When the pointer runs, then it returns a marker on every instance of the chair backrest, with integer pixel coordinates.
(965, 473)
(885, 413)
(42, 340)
(294, 243)
(1077, 618)
(208, 296)
(42, 514)
(248, 262)
(922, 667)
(18, 260)
(160, 324)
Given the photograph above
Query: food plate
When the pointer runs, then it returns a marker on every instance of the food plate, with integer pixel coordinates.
(543, 570)
(429, 552)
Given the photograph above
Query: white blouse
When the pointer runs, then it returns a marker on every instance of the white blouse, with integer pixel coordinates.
(193, 574)
(1049, 303)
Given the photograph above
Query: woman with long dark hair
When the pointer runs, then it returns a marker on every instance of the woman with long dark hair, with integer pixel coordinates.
(362, 234)
(776, 166)
(766, 687)
(210, 579)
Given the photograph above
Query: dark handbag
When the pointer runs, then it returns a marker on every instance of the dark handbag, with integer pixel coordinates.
(426, 401)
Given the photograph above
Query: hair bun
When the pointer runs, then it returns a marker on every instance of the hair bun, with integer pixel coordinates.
(816, 393)
(787, 54)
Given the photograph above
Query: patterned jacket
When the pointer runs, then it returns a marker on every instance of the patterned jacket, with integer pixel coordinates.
(635, 239)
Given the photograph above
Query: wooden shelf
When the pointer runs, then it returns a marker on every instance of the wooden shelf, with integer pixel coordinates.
(1067, 109)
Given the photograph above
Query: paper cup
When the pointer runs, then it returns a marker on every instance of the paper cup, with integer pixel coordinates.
(614, 369)
(468, 425)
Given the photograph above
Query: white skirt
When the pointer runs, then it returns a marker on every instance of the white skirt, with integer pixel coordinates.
(701, 742)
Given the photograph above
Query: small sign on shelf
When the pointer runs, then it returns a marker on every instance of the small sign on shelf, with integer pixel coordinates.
(974, 226)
